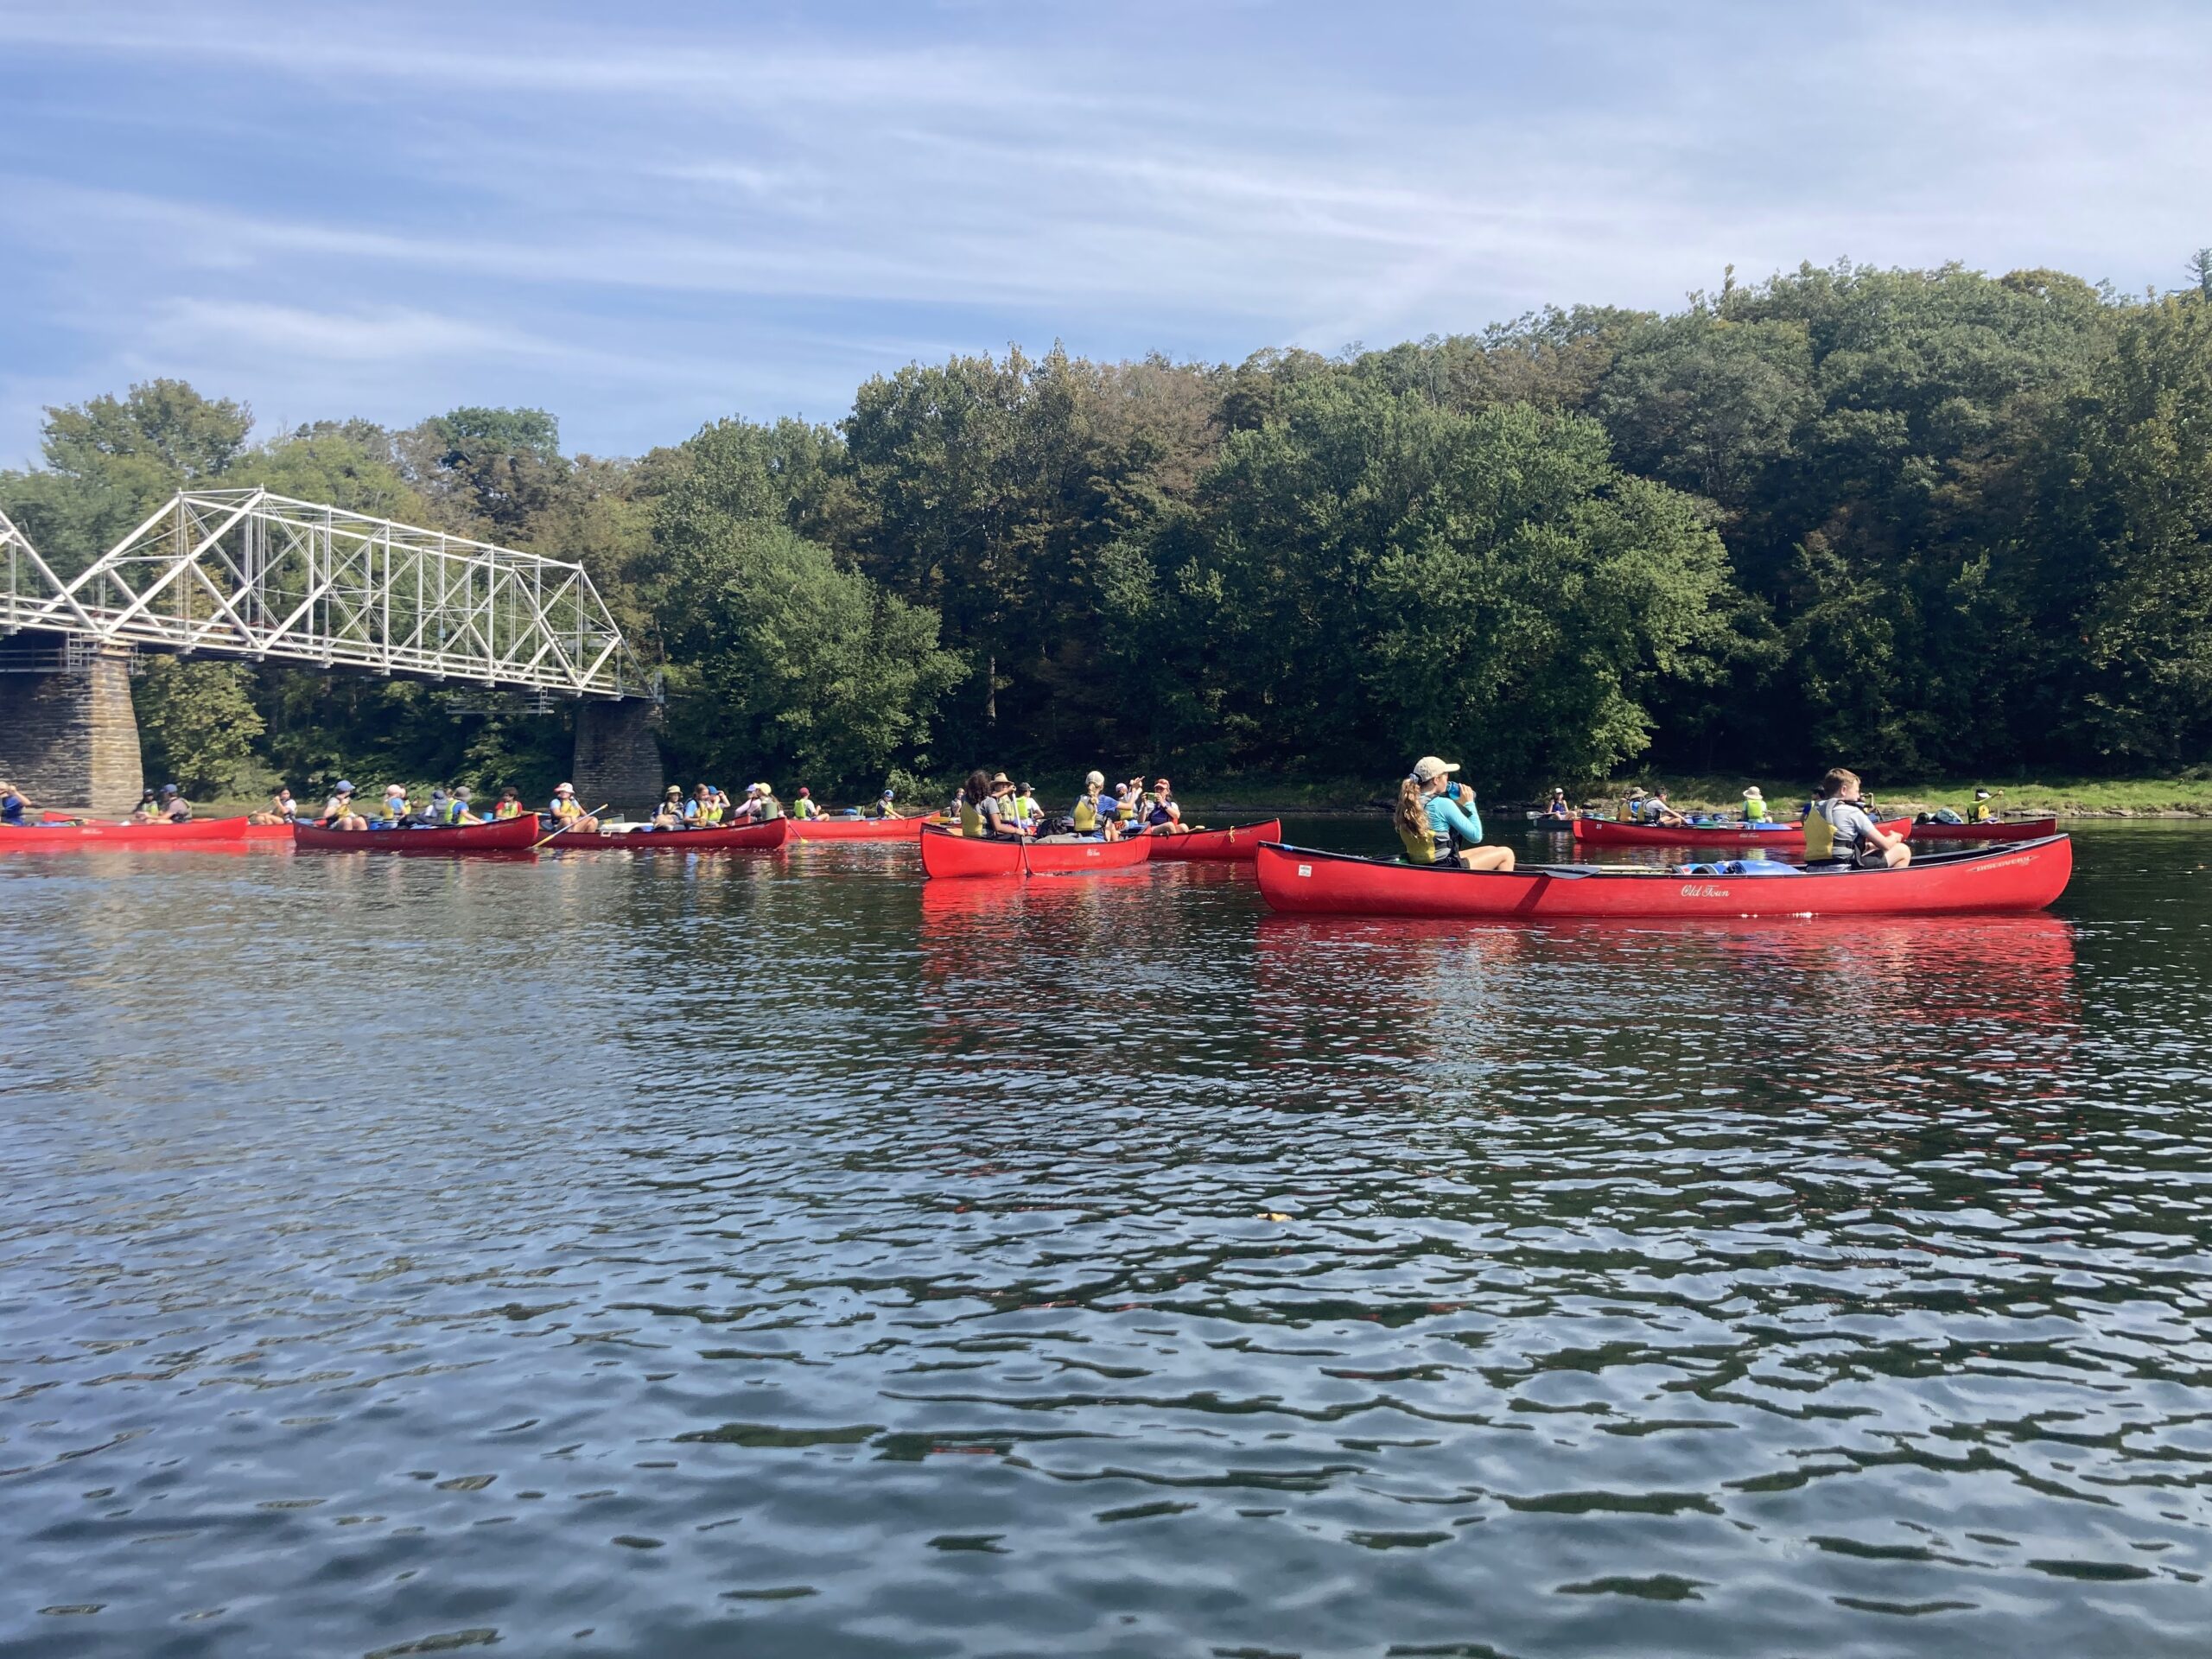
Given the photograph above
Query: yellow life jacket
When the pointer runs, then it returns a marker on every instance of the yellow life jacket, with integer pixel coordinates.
(1421, 845)
(1085, 815)
(971, 819)
(1820, 835)
(506, 810)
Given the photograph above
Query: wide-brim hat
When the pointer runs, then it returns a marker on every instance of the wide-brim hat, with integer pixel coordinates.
(1752, 794)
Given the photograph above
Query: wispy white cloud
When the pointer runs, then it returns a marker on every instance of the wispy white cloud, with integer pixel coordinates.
(652, 221)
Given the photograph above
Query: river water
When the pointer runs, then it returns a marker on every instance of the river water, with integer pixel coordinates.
(771, 1254)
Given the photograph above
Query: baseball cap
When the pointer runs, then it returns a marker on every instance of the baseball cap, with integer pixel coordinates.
(1428, 768)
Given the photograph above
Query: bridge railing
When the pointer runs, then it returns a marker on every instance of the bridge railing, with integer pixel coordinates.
(243, 572)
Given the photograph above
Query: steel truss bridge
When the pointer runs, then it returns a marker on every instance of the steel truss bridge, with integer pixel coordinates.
(245, 574)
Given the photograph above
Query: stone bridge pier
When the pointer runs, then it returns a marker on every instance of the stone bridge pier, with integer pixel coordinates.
(618, 759)
(68, 735)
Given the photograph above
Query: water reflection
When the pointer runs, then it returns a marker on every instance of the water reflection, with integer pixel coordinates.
(803, 1258)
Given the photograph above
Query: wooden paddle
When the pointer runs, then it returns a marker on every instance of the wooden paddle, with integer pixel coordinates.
(563, 828)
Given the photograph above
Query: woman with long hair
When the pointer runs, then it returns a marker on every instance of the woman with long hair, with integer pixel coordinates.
(973, 794)
(1437, 822)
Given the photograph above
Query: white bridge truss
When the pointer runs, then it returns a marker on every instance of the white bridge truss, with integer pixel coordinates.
(243, 573)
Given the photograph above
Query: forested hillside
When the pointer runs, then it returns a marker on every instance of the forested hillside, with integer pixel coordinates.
(1909, 520)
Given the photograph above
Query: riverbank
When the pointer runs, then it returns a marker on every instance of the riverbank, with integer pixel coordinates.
(2184, 796)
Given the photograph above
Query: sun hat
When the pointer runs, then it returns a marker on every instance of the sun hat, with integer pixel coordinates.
(566, 789)
(1752, 794)
(1428, 769)
(998, 777)
(1097, 778)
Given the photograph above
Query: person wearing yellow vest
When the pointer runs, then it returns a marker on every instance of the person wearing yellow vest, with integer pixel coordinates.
(1437, 822)
(974, 821)
(886, 806)
(1983, 812)
(802, 805)
(1026, 809)
(509, 806)
(1839, 830)
(1755, 806)
(1094, 813)
(567, 815)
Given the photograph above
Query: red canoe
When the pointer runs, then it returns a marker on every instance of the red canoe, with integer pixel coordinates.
(2000, 829)
(715, 838)
(115, 837)
(1611, 832)
(856, 828)
(502, 835)
(2024, 877)
(944, 853)
(1238, 844)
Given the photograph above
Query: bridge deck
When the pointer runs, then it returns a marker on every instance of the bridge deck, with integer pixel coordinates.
(246, 574)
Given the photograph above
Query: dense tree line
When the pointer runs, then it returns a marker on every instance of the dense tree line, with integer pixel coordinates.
(1921, 521)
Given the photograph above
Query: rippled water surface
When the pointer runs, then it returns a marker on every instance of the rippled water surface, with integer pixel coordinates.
(770, 1255)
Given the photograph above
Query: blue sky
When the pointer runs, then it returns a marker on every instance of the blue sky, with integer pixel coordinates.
(645, 218)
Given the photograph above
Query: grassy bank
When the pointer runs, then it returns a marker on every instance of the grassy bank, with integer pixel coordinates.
(2185, 794)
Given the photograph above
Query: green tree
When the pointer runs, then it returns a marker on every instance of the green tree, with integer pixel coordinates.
(110, 460)
(1372, 572)
(782, 657)
(198, 723)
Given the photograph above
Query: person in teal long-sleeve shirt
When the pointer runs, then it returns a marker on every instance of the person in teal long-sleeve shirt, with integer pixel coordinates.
(1438, 823)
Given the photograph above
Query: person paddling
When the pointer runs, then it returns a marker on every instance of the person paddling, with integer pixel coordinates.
(1437, 820)
(567, 815)
(338, 811)
(1838, 829)
(886, 806)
